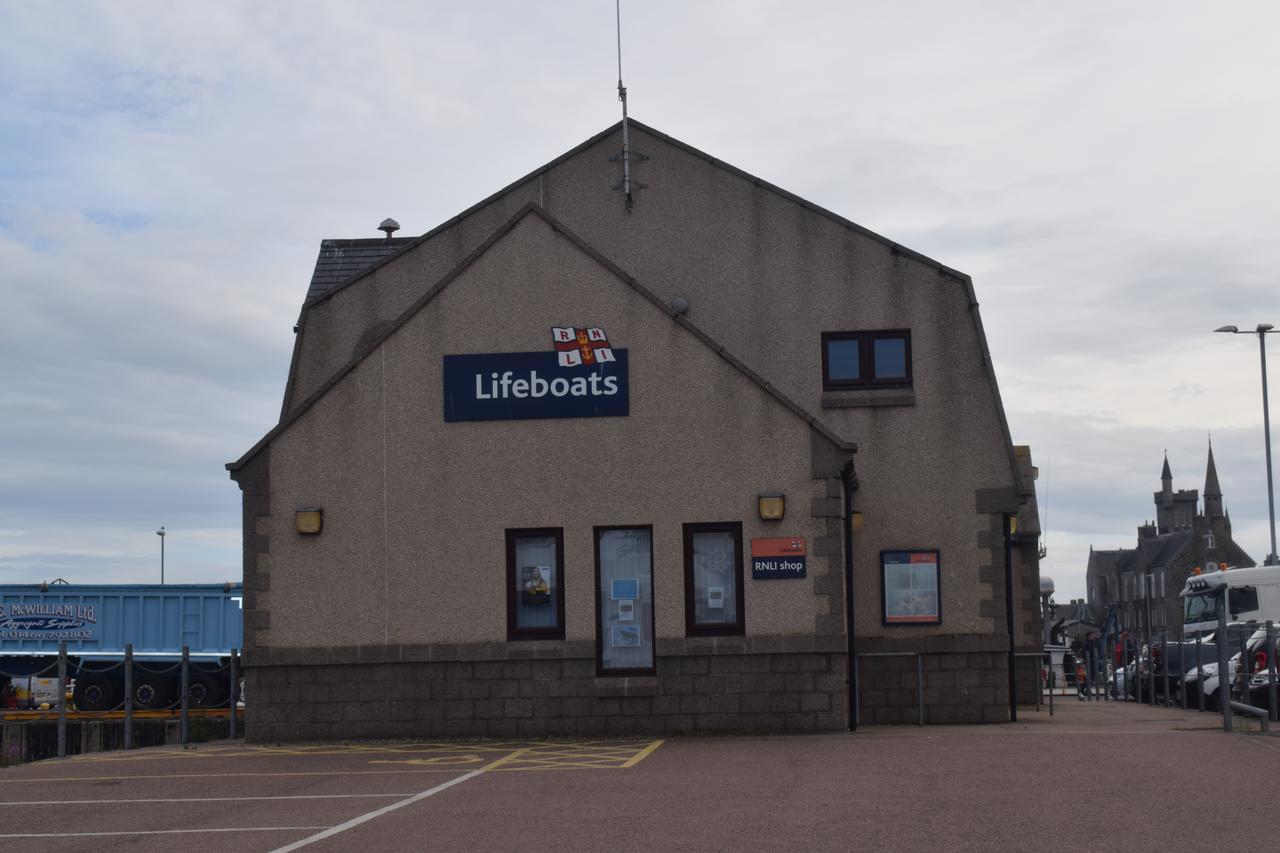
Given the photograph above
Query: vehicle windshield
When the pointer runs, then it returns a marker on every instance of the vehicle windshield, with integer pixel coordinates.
(1201, 608)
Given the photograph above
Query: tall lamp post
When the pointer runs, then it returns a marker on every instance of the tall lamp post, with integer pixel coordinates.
(1262, 331)
(160, 533)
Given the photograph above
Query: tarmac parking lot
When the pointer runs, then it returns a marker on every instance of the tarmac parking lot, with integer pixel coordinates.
(1092, 777)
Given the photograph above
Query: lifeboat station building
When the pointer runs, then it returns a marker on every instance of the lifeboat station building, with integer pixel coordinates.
(699, 458)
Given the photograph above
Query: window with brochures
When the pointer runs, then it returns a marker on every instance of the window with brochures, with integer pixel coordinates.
(624, 601)
(713, 578)
(535, 584)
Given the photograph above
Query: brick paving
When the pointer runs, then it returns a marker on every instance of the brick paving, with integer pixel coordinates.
(1093, 777)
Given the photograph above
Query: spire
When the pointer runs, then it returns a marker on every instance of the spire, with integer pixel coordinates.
(1165, 474)
(1212, 491)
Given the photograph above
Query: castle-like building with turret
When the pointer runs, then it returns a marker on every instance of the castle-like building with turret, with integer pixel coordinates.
(1141, 585)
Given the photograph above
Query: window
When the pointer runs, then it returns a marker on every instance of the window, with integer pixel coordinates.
(713, 578)
(911, 590)
(1242, 600)
(624, 601)
(866, 359)
(535, 584)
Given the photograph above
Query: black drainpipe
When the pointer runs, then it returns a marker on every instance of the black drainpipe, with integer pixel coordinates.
(850, 477)
(1008, 614)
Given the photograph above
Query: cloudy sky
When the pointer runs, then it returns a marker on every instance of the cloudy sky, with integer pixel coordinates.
(1106, 172)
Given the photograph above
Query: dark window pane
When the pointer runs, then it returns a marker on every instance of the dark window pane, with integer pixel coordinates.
(890, 356)
(842, 360)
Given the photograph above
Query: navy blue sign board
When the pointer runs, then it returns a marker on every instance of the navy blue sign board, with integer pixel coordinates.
(524, 385)
(777, 558)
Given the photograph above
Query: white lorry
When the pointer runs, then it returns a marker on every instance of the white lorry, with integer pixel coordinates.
(1253, 599)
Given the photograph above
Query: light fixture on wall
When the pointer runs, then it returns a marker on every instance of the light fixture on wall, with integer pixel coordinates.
(772, 506)
(308, 520)
(857, 520)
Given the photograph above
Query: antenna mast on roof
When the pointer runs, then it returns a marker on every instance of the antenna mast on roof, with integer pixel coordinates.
(626, 156)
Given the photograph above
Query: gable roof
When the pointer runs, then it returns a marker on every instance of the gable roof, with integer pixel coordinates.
(406, 243)
(342, 260)
(532, 209)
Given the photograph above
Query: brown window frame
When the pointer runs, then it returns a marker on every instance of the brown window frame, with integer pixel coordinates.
(713, 629)
(866, 359)
(601, 671)
(555, 632)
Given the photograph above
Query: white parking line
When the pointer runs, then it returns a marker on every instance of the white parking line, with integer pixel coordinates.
(197, 799)
(364, 818)
(157, 831)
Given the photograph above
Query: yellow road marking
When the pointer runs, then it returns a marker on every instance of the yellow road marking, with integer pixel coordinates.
(439, 759)
(29, 781)
(642, 754)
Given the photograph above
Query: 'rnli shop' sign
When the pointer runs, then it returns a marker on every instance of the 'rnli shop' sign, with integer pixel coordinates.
(777, 558)
(581, 377)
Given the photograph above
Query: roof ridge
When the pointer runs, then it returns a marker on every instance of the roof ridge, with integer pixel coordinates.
(421, 302)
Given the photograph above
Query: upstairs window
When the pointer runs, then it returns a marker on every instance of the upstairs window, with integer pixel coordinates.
(866, 359)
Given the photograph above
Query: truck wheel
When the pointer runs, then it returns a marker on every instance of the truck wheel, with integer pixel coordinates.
(151, 692)
(94, 693)
(207, 690)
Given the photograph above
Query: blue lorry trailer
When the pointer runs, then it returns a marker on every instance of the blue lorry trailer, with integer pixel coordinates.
(98, 621)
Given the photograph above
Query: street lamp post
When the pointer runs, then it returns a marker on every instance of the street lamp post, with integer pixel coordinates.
(1262, 331)
(160, 533)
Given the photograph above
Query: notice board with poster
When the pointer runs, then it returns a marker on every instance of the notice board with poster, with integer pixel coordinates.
(911, 591)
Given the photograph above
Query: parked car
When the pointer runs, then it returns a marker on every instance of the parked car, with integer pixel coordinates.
(1256, 691)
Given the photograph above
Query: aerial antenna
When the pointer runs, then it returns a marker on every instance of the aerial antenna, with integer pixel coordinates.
(626, 155)
(622, 96)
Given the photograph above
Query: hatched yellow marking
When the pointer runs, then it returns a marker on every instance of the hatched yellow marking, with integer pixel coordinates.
(589, 755)
(439, 759)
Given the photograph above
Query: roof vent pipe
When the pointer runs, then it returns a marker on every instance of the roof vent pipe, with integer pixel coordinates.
(389, 226)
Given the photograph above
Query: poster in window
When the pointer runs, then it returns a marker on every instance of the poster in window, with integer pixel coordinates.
(625, 636)
(535, 585)
(626, 611)
(625, 589)
(715, 598)
(911, 587)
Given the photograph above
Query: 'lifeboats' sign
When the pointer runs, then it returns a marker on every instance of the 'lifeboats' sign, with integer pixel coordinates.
(48, 622)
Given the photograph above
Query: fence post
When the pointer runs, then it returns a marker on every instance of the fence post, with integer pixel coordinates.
(1224, 681)
(1164, 666)
(128, 695)
(1053, 677)
(1199, 674)
(1271, 680)
(1182, 665)
(920, 686)
(186, 686)
(235, 688)
(62, 700)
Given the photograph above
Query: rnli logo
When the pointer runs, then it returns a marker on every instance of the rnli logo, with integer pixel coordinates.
(576, 347)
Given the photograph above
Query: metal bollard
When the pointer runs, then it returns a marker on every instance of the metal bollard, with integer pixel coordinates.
(1224, 684)
(62, 700)
(235, 689)
(1053, 677)
(1124, 658)
(128, 695)
(186, 687)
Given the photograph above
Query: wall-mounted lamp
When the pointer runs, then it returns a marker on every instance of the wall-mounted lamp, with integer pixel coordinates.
(1013, 525)
(772, 507)
(857, 520)
(308, 520)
